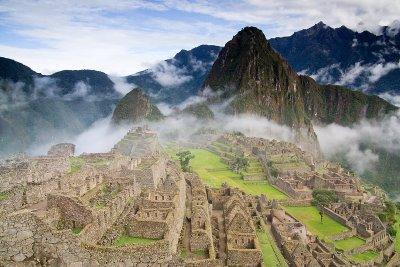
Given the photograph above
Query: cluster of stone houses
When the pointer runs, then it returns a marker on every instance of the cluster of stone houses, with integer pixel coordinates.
(54, 215)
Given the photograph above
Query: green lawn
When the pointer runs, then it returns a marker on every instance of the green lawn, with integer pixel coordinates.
(365, 256)
(349, 243)
(76, 164)
(76, 230)
(271, 254)
(310, 217)
(397, 240)
(3, 196)
(214, 173)
(125, 240)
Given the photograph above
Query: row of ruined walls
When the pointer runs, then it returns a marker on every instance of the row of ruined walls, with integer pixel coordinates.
(24, 237)
(106, 217)
(201, 234)
(76, 184)
(32, 171)
(73, 213)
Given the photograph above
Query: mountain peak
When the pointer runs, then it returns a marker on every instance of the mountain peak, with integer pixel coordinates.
(248, 55)
(135, 106)
(321, 24)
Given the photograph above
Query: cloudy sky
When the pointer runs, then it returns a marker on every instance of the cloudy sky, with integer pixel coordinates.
(123, 37)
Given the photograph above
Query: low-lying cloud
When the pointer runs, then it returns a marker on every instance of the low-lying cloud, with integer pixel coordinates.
(350, 141)
(392, 98)
(101, 136)
(362, 75)
(168, 75)
(121, 85)
(19, 93)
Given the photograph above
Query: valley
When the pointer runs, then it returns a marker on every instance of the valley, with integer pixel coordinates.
(219, 156)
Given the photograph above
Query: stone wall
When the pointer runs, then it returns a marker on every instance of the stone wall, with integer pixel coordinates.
(42, 169)
(244, 257)
(73, 212)
(106, 217)
(137, 255)
(62, 150)
(394, 261)
(337, 217)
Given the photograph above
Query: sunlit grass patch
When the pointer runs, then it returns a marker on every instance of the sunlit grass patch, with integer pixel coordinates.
(310, 217)
(125, 240)
(349, 243)
(365, 256)
(76, 164)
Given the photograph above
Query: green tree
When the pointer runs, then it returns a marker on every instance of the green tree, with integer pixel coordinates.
(239, 164)
(321, 198)
(184, 159)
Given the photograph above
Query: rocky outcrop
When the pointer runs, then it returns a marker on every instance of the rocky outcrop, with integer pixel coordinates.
(135, 106)
(260, 82)
(336, 104)
(200, 111)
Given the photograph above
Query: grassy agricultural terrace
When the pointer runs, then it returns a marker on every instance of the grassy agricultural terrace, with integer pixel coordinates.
(310, 217)
(125, 240)
(214, 173)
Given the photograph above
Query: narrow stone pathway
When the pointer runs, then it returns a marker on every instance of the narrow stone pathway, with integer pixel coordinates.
(222, 235)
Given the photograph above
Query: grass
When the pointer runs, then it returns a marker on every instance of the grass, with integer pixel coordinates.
(310, 217)
(3, 196)
(125, 240)
(269, 250)
(288, 162)
(349, 243)
(214, 173)
(76, 230)
(76, 164)
(202, 253)
(397, 239)
(183, 253)
(99, 206)
(365, 256)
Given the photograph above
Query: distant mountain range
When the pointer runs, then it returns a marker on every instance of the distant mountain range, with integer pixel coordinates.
(362, 61)
(178, 78)
(36, 107)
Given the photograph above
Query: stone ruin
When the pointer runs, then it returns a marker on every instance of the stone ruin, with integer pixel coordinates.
(66, 210)
(62, 150)
(359, 218)
(299, 246)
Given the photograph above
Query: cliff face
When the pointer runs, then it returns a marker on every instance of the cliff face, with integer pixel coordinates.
(335, 104)
(135, 106)
(260, 82)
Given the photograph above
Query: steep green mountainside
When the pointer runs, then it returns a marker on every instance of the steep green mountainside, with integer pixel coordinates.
(36, 108)
(44, 120)
(135, 106)
(263, 83)
(98, 82)
(336, 104)
(200, 111)
(16, 72)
